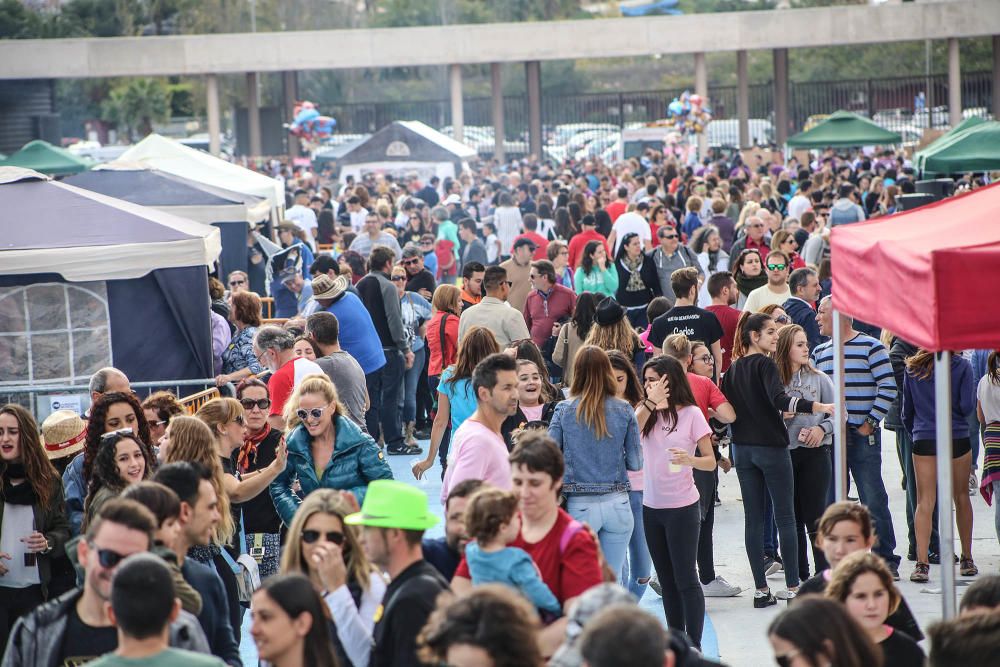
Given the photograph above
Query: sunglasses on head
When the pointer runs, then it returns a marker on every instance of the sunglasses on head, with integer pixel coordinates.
(107, 557)
(120, 433)
(312, 536)
(776, 267)
(315, 413)
(249, 403)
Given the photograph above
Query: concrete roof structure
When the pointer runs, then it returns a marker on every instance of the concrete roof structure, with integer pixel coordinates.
(495, 42)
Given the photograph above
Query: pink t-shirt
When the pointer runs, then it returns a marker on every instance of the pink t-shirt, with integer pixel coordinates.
(663, 489)
(479, 453)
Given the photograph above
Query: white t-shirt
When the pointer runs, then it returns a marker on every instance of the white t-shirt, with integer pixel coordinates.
(989, 396)
(18, 522)
(303, 216)
(763, 296)
(798, 205)
(507, 221)
(628, 223)
(358, 220)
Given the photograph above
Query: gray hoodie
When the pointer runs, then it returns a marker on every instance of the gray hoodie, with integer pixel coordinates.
(813, 386)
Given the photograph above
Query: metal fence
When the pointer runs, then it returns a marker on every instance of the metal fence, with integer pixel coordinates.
(891, 101)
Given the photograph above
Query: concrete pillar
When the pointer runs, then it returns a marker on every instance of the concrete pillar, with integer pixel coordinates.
(457, 110)
(743, 98)
(533, 73)
(290, 90)
(954, 83)
(253, 115)
(701, 88)
(996, 77)
(496, 86)
(780, 96)
(212, 107)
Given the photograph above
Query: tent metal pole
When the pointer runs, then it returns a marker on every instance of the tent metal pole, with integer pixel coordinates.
(946, 529)
(840, 412)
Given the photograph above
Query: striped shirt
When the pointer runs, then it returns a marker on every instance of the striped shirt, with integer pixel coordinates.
(869, 385)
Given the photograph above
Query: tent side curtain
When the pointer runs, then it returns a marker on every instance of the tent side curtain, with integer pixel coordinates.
(160, 328)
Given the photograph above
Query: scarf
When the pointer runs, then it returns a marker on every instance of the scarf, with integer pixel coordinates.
(20, 494)
(248, 452)
(633, 266)
(713, 261)
(747, 284)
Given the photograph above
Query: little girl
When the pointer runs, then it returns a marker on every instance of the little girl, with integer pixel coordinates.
(491, 519)
(492, 243)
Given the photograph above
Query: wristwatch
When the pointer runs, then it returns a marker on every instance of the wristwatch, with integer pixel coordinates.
(871, 421)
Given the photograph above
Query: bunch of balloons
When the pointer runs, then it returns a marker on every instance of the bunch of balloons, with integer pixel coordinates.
(308, 124)
(688, 113)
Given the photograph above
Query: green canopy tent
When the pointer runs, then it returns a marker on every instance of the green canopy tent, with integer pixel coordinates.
(844, 128)
(975, 148)
(43, 157)
(971, 121)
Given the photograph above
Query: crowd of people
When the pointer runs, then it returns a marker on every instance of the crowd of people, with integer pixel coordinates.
(578, 352)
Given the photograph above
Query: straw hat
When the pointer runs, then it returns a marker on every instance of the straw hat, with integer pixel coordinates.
(325, 287)
(64, 433)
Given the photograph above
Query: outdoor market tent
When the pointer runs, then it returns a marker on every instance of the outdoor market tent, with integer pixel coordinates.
(175, 158)
(43, 157)
(843, 128)
(927, 275)
(407, 146)
(93, 281)
(976, 148)
(229, 211)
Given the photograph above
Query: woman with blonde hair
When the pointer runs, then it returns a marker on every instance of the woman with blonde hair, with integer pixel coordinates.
(613, 331)
(748, 210)
(599, 436)
(227, 421)
(784, 241)
(326, 550)
(325, 449)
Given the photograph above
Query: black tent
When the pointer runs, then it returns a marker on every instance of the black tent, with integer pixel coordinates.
(90, 281)
(227, 210)
(407, 146)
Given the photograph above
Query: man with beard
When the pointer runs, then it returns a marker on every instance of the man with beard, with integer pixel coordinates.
(444, 553)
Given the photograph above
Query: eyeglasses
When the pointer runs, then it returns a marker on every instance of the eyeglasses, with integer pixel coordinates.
(120, 433)
(108, 558)
(315, 413)
(397, 279)
(782, 319)
(668, 236)
(776, 267)
(786, 659)
(706, 359)
(508, 283)
(234, 283)
(411, 261)
(250, 404)
(312, 536)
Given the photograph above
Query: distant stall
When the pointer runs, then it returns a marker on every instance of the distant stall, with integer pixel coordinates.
(404, 147)
(43, 157)
(844, 129)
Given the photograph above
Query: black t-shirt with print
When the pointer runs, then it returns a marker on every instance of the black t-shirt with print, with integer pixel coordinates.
(83, 643)
(694, 322)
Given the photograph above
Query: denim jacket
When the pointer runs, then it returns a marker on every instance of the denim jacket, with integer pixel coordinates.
(356, 461)
(595, 465)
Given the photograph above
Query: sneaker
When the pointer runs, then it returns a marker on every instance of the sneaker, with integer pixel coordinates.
(787, 594)
(973, 484)
(762, 599)
(772, 566)
(894, 570)
(654, 583)
(968, 567)
(911, 554)
(920, 573)
(404, 450)
(720, 588)
(934, 558)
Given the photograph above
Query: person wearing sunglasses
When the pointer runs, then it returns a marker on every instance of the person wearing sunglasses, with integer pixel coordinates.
(238, 282)
(122, 460)
(325, 449)
(669, 256)
(777, 267)
(257, 454)
(819, 632)
(76, 627)
(418, 278)
(416, 312)
(320, 546)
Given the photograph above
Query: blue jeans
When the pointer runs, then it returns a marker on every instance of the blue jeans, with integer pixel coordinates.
(767, 471)
(610, 515)
(638, 565)
(864, 461)
(384, 386)
(411, 376)
(904, 445)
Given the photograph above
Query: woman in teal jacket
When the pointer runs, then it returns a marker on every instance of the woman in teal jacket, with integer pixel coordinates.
(594, 274)
(325, 449)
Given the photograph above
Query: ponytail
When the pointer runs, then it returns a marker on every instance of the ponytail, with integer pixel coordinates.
(748, 323)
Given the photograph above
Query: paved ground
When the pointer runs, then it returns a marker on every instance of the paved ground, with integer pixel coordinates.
(734, 630)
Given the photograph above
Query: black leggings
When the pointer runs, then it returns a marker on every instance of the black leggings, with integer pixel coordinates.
(671, 535)
(812, 470)
(707, 481)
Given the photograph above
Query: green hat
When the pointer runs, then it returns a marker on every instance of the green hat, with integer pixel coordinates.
(392, 504)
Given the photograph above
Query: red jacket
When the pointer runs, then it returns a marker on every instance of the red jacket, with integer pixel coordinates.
(580, 241)
(540, 316)
(441, 359)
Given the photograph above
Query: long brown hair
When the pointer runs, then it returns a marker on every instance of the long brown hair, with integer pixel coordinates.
(192, 440)
(681, 394)
(618, 336)
(40, 472)
(853, 566)
(593, 382)
(921, 364)
(633, 386)
(993, 367)
(786, 337)
(477, 344)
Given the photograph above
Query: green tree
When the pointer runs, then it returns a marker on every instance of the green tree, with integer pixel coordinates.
(136, 104)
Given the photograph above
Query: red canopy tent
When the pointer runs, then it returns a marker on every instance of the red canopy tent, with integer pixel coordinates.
(931, 276)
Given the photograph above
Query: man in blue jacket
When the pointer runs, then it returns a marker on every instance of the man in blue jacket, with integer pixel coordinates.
(804, 285)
